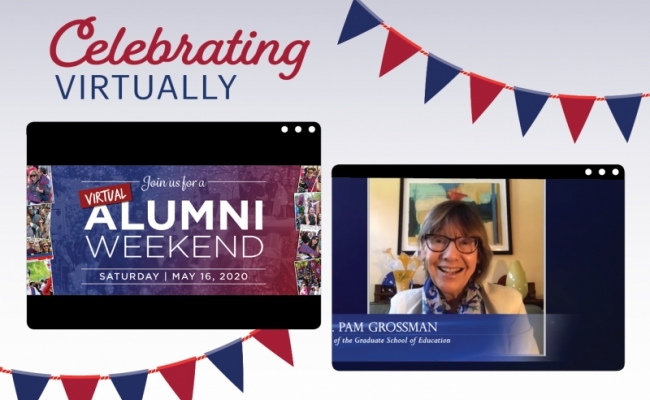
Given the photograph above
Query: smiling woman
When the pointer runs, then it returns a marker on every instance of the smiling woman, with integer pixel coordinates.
(456, 253)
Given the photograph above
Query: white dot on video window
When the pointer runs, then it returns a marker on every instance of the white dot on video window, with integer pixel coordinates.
(312, 129)
(601, 171)
(285, 129)
(588, 171)
(615, 171)
(298, 129)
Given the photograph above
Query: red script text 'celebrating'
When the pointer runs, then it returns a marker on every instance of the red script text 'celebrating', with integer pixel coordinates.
(158, 51)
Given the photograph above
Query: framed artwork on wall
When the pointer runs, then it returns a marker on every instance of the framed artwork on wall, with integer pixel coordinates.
(490, 196)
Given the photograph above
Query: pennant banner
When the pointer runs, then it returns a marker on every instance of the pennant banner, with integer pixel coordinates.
(576, 111)
(398, 49)
(130, 386)
(229, 359)
(278, 342)
(360, 20)
(29, 386)
(439, 74)
(529, 104)
(180, 375)
(483, 91)
(79, 387)
(624, 109)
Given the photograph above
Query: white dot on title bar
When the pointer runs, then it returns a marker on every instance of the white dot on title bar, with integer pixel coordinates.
(285, 129)
(588, 171)
(601, 171)
(312, 129)
(298, 129)
(615, 171)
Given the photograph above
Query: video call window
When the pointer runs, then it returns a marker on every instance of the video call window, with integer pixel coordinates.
(154, 238)
(484, 271)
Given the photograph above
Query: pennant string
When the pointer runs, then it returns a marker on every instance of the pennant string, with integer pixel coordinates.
(250, 335)
(151, 371)
(508, 87)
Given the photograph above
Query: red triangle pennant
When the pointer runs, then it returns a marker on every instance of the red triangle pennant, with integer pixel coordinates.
(576, 111)
(278, 341)
(398, 49)
(482, 91)
(80, 387)
(180, 377)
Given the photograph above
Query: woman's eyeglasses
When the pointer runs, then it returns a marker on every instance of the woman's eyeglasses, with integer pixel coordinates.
(439, 243)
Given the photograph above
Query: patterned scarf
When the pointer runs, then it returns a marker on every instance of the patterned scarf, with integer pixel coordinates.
(434, 303)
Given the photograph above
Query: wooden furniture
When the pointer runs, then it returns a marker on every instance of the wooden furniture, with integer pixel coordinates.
(537, 302)
(532, 293)
(383, 294)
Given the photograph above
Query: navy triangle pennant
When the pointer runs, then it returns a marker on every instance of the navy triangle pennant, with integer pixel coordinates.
(230, 361)
(130, 386)
(439, 74)
(29, 386)
(529, 104)
(624, 108)
(359, 20)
